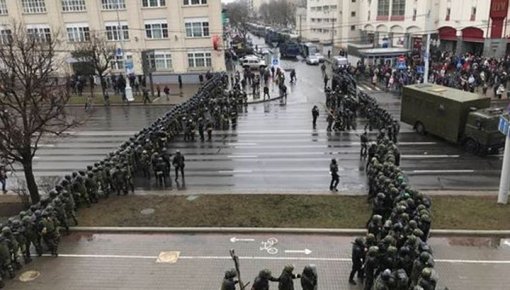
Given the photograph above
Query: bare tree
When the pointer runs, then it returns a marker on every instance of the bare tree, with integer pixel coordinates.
(239, 15)
(94, 57)
(278, 12)
(32, 102)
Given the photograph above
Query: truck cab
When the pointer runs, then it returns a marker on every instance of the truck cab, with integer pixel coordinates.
(481, 135)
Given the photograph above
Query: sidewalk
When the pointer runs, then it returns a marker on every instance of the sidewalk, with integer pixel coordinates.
(177, 96)
(198, 261)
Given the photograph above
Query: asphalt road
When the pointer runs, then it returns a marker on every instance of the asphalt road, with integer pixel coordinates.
(274, 148)
(130, 261)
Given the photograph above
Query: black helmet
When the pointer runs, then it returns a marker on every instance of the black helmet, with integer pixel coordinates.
(386, 275)
(230, 273)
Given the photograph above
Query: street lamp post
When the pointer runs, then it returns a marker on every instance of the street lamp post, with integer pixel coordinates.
(128, 90)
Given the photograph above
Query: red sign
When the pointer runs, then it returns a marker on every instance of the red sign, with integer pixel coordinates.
(499, 8)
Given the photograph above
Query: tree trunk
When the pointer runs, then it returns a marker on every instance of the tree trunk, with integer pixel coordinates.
(31, 184)
(103, 83)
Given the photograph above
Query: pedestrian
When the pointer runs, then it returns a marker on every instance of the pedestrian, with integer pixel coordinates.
(146, 98)
(166, 90)
(329, 53)
(200, 78)
(326, 79)
(333, 169)
(364, 145)
(266, 92)
(358, 258)
(178, 163)
(315, 115)
(285, 281)
(309, 278)
(272, 72)
(158, 90)
(179, 79)
(3, 178)
(292, 76)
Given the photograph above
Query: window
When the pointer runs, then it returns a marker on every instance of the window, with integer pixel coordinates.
(73, 5)
(113, 4)
(473, 14)
(3, 7)
(156, 29)
(353, 13)
(353, 1)
(197, 27)
(199, 59)
(368, 17)
(33, 6)
(383, 8)
(162, 60)
(353, 27)
(78, 32)
(414, 14)
(5, 35)
(448, 12)
(398, 8)
(115, 32)
(118, 62)
(153, 3)
(40, 32)
(195, 2)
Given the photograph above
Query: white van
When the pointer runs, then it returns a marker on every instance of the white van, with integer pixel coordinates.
(339, 61)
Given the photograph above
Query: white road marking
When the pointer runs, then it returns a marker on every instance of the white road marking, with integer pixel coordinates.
(444, 171)
(46, 145)
(242, 156)
(235, 171)
(305, 251)
(234, 239)
(241, 144)
(429, 156)
(450, 261)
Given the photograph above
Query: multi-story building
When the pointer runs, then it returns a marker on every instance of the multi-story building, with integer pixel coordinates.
(456, 25)
(332, 21)
(180, 32)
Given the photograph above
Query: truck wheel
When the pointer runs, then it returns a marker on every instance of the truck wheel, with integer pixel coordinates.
(420, 129)
(471, 146)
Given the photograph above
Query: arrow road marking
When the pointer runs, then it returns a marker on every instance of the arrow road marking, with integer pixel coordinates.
(234, 239)
(305, 251)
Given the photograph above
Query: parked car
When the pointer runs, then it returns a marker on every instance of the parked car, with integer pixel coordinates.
(252, 62)
(312, 60)
(320, 56)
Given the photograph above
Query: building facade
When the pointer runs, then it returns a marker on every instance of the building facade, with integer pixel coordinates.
(332, 22)
(180, 32)
(458, 26)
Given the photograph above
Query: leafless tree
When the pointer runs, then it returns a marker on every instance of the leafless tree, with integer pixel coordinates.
(32, 102)
(94, 57)
(278, 12)
(239, 15)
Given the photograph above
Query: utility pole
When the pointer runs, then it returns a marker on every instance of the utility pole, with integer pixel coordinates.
(426, 57)
(504, 181)
(333, 36)
(300, 27)
(128, 90)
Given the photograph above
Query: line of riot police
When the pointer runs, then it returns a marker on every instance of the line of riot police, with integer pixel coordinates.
(394, 255)
(42, 225)
(341, 103)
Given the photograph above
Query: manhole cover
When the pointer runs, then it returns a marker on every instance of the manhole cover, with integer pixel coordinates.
(147, 211)
(192, 197)
(169, 257)
(29, 276)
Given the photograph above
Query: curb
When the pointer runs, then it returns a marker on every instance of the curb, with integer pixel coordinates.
(119, 105)
(315, 231)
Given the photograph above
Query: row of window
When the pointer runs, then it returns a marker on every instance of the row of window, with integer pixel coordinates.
(319, 20)
(325, 8)
(39, 6)
(398, 8)
(162, 60)
(154, 29)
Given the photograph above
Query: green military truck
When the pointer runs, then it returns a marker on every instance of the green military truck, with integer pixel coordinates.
(457, 116)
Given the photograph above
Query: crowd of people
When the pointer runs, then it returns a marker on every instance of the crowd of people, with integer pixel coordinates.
(466, 72)
(250, 82)
(42, 225)
(394, 255)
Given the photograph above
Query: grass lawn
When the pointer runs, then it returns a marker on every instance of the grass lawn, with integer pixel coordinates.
(281, 211)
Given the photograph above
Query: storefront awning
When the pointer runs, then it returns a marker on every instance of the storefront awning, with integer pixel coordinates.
(447, 33)
(472, 34)
(384, 52)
